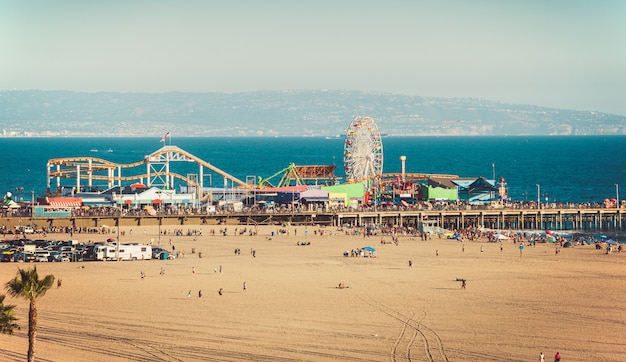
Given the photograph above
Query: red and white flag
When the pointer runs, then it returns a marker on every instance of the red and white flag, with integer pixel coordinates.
(167, 135)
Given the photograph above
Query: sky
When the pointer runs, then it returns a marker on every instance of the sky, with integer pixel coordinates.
(562, 54)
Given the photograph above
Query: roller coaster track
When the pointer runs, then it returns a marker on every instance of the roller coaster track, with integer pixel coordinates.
(83, 167)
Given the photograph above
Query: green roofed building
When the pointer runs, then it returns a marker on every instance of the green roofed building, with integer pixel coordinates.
(440, 189)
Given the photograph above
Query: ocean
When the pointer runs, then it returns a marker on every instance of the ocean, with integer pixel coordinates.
(566, 168)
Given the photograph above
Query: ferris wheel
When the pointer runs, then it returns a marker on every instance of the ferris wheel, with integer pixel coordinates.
(363, 150)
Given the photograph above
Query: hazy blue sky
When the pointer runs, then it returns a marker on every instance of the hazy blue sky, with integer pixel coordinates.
(565, 54)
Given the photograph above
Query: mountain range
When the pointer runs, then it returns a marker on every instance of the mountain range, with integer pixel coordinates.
(307, 113)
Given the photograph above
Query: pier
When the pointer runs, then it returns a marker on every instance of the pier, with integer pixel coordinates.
(558, 219)
(591, 220)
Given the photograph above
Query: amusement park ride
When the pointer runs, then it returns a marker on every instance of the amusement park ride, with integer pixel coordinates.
(363, 163)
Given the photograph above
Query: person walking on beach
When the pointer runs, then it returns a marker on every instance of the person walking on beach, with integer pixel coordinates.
(463, 283)
(193, 270)
(245, 286)
(219, 291)
(557, 357)
(200, 293)
(541, 358)
(189, 294)
(410, 263)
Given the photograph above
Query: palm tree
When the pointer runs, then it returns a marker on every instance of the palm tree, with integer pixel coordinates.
(28, 286)
(7, 319)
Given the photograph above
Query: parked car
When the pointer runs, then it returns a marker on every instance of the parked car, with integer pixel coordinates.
(165, 255)
(22, 256)
(54, 256)
(156, 251)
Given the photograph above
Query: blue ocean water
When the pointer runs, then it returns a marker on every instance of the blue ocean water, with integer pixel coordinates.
(568, 169)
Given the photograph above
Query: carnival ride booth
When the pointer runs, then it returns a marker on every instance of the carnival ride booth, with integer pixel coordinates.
(11, 205)
(354, 194)
(338, 199)
(476, 191)
(64, 201)
(314, 199)
(440, 189)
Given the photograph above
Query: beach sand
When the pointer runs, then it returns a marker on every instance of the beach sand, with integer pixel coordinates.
(513, 308)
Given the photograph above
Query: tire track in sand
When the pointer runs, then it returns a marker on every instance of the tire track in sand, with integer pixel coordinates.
(433, 346)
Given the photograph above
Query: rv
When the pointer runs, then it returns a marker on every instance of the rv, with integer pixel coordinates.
(126, 252)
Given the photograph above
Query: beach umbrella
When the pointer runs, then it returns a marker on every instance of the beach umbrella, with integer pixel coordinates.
(611, 242)
(502, 237)
(551, 239)
(369, 248)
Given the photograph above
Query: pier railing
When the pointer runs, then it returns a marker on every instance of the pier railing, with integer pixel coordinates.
(591, 219)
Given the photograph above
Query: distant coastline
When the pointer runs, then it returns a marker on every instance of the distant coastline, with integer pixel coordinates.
(306, 113)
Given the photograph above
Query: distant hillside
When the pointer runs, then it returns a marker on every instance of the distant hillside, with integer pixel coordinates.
(285, 113)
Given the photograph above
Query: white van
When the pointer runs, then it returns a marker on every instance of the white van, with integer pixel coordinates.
(42, 255)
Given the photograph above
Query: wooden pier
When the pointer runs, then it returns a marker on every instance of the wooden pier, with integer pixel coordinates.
(592, 220)
(582, 219)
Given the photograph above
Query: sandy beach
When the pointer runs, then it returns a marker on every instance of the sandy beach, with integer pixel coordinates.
(514, 307)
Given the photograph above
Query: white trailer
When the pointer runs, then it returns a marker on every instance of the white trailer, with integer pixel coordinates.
(126, 252)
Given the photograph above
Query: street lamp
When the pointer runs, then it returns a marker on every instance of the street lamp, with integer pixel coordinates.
(117, 242)
(617, 195)
(493, 174)
(159, 217)
(538, 196)
(32, 206)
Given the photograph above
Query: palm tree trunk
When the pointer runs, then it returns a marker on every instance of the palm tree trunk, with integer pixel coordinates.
(32, 330)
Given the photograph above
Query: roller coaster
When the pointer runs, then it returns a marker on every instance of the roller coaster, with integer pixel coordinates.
(157, 171)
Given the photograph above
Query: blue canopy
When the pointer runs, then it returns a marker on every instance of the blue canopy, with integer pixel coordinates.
(611, 241)
(369, 248)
